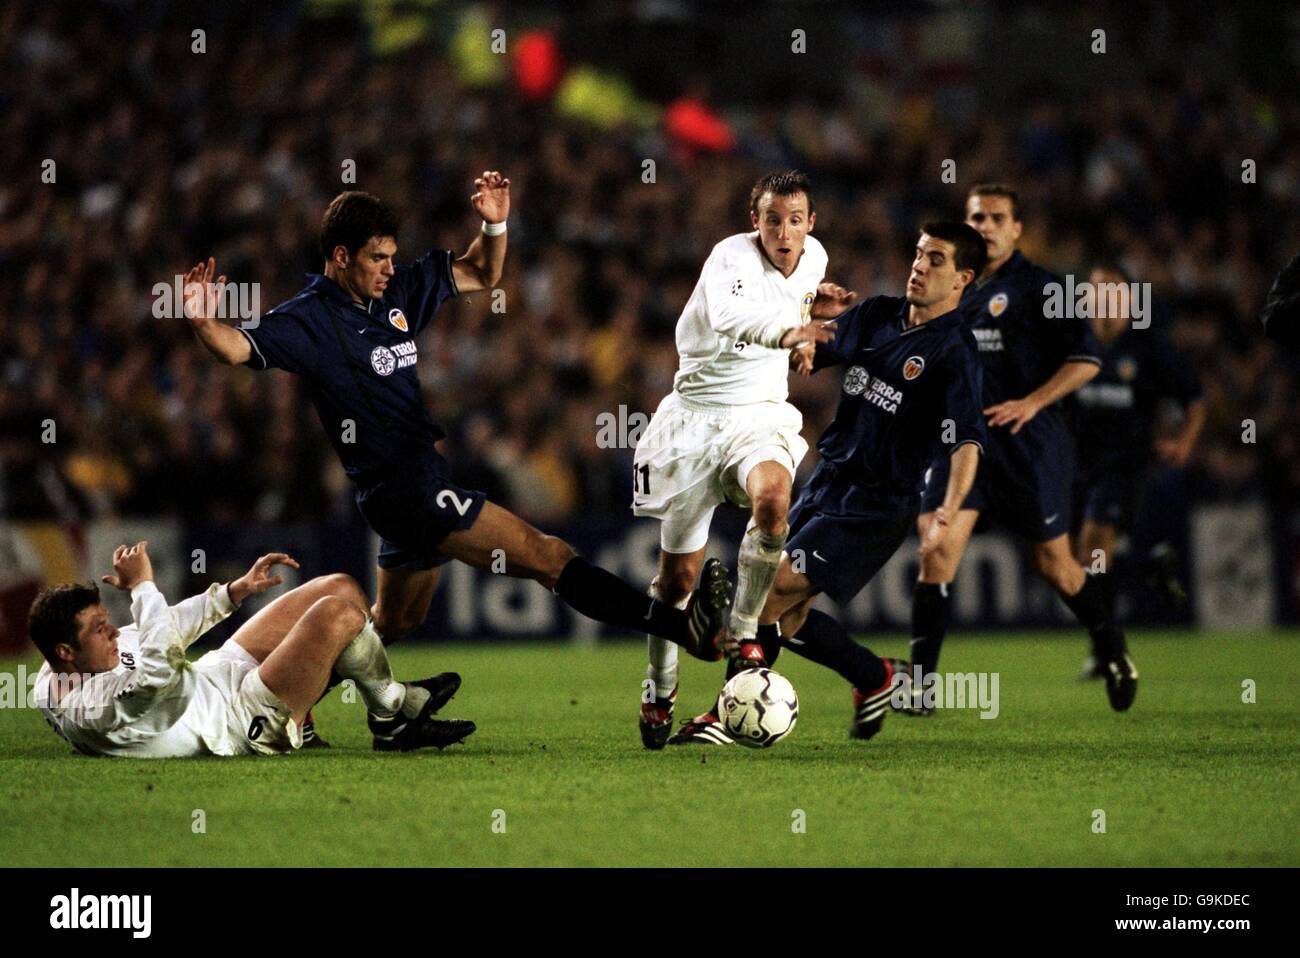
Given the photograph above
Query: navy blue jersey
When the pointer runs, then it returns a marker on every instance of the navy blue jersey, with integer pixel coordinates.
(1019, 347)
(358, 360)
(908, 394)
(1115, 412)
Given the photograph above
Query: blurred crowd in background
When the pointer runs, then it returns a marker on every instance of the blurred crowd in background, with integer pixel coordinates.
(164, 156)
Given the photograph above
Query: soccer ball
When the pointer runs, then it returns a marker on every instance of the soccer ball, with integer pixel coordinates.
(759, 707)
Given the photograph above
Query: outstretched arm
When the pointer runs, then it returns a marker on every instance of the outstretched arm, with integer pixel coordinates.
(227, 344)
(199, 613)
(1016, 412)
(482, 264)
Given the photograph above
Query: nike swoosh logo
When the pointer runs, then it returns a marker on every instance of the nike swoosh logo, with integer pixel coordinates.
(817, 557)
(650, 611)
(793, 641)
(1050, 519)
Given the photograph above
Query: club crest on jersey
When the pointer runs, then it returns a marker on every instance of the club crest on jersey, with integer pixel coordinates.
(1127, 368)
(805, 311)
(398, 319)
(855, 380)
(998, 304)
(913, 367)
(383, 360)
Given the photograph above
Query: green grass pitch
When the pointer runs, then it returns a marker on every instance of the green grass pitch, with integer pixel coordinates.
(1192, 776)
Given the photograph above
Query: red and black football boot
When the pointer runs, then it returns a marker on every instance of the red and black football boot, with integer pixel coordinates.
(656, 721)
(707, 612)
(310, 737)
(870, 709)
(702, 730)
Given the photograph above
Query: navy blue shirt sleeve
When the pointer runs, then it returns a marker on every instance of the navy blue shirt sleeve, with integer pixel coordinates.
(282, 340)
(849, 335)
(1073, 339)
(963, 390)
(419, 288)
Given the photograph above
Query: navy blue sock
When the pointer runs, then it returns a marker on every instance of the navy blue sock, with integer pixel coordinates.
(1091, 606)
(828, 643)
(930, 604)
(1115, 580)
(603, 596)
(769, 637)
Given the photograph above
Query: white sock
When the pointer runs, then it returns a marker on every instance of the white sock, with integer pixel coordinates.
(760, 555)
(662, 670)
(365, 661)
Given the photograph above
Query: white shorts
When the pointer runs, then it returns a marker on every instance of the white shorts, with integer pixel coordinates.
(241, 716)
(693, 457)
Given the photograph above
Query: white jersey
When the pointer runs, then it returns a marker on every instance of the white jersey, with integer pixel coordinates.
(150, 705)
(728, 333)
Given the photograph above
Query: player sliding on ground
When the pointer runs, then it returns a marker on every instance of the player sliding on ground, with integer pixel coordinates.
(132, 691)
(911, 388)
(726, 432)
(351, 336)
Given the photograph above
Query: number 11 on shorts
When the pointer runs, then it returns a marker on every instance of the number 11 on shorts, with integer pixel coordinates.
(641, 479)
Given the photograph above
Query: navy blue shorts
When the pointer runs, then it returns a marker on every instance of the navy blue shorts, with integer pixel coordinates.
(841, 552)
(414, 511)
(1022, 484)
(1108, 496)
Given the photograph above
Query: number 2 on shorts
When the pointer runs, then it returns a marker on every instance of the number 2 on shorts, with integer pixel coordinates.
(461, 505)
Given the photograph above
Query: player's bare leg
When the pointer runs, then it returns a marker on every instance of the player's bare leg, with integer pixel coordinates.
(767, 484)
(299, 664)
(263, 633)
(940, 565)
(673, 586)
(768, 487)
(1057, 566)
(591, 590)
(334, 635)
(1096, 540)
(792, 620)
(1086, 595)
(402, 598)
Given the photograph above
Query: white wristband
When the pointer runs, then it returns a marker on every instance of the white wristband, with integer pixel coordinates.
(493, 229)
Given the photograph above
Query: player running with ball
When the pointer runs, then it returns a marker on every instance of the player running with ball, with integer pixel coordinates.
(910, 390)
(725, 432)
